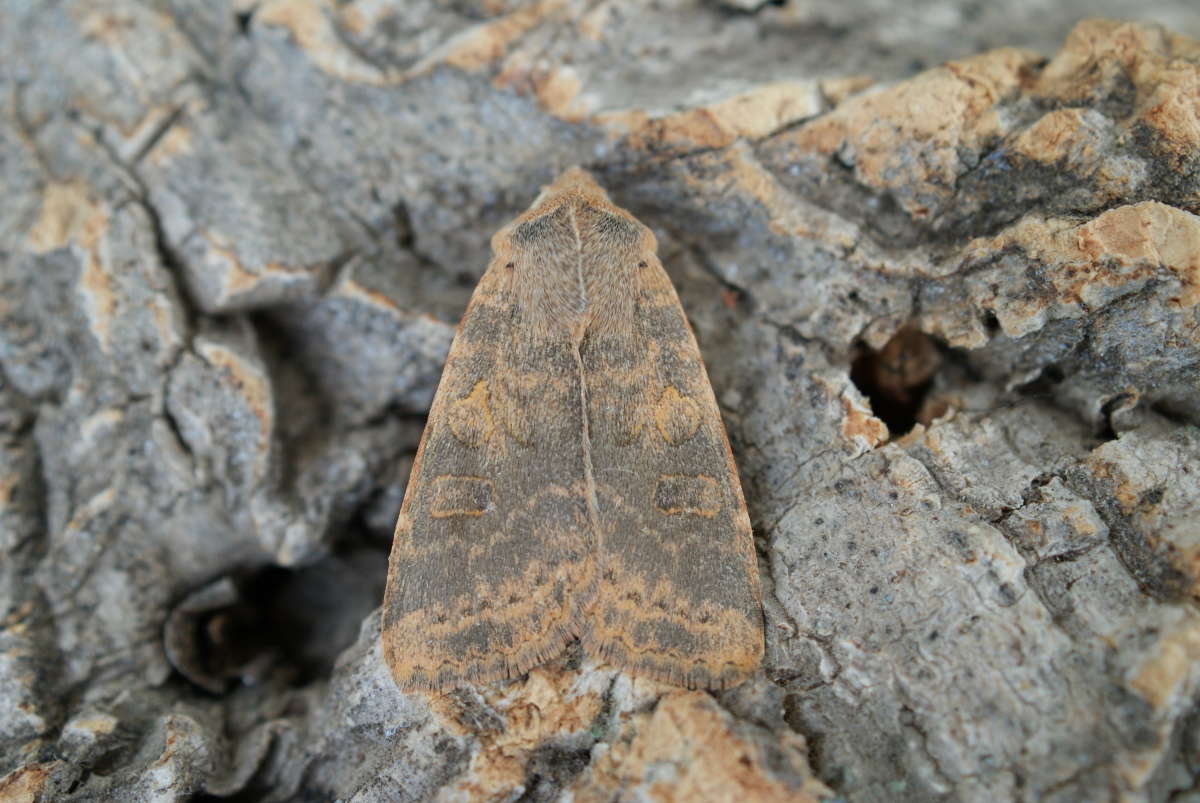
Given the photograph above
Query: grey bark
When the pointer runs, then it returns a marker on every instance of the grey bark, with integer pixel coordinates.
(236, 238)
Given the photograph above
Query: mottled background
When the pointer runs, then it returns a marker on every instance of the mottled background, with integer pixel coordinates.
(944, 266)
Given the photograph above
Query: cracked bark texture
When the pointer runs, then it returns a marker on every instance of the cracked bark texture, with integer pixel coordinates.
(944, 267)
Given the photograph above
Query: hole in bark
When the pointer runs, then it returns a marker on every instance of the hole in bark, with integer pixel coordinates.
(288, 625)
(897, 378)
(404, 228)
(1107, 431)
(748, 10)
(799, 721)
(1043, 386)
(1176, 412)
(315, 612)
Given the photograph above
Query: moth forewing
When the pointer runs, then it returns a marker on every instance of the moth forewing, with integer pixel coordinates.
(574, 478)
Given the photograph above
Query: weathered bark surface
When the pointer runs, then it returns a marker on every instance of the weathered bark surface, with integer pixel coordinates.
(951, 311)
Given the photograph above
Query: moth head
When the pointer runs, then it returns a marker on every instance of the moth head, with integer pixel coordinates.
(574, 182)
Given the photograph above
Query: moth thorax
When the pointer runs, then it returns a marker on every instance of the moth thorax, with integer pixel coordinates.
(575, 267)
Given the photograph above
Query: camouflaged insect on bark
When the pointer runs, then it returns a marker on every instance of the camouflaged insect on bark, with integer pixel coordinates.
(574, 479)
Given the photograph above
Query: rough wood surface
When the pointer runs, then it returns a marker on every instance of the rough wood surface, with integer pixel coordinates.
(943, 265)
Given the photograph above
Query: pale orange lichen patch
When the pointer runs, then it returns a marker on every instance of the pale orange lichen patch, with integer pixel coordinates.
(1060, 134)
(558, 92)
(281, 272)
(482, 46)
(25, 784)
(1125, 490)
(99, 298)
(939, 406)
(934, 443)
(363, 17)
(551, 703)
(1167, 674)
(860, 425)
(8, 487)
(837, 90)
(1163, 68)
(936, 107)
(355, 19)
(913, 437)
(18, 617)
(167, 322)
(232, 276)
(1081, 519)
(1167, 520)
(92, 724)
(556, 87)
(786, 214)
(126, 30)
(765, 109)
(1094, 52)
(254, 386)
(1172, 107)
(1089, 265)
(350, 289)
(752, 114)
(910, 134)
(68, 210)
(129, 33)
(71, 216)
(688, 750)
(310, 23)
(1148, 233)
(957, 331)
(593, 22)
(744, 173)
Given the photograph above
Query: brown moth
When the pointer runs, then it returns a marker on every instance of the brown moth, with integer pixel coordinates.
(574, 478)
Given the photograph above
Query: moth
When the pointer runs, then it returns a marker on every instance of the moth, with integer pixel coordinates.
(574, 479)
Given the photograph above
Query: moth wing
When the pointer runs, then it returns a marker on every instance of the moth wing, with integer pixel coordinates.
(677, 594)
(493, 537)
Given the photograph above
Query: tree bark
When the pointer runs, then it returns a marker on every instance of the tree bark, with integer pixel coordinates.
(944, 268)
